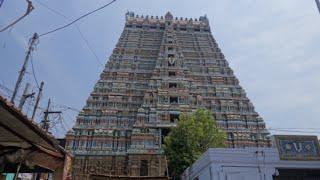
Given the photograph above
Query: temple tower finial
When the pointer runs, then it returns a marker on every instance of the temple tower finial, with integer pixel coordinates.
(168, 16)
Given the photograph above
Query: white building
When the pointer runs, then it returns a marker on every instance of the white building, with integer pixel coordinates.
(290, 157)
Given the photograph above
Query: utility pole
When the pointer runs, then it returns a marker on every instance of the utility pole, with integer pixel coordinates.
(318, 4)
(24, 66)
(37, 101)
(25, 96)
(45, 123)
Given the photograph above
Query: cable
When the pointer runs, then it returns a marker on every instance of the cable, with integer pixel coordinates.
(61, 121)
(65, 107)
(58, 119)
(318, 5)
(29, 9)
(87, 14)
(1, 2)
(33, 73)
(298, 130)
(69, 117)
(81, 34)
(2, 86)
(51, 9)
(295, 131)
(5, 88)
(88, 45)
(295, 128)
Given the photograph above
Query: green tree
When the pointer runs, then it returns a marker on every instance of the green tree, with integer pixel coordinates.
(193, 135)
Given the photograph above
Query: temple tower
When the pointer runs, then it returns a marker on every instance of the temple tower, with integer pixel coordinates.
(161, 67)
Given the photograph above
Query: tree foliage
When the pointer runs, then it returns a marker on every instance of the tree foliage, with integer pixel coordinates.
(193, 135)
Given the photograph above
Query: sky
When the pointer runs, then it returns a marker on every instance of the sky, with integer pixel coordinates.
(272, 46)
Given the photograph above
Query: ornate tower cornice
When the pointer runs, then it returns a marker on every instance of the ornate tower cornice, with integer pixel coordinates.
(192, 24)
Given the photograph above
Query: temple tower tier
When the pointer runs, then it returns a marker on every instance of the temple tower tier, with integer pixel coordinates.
(161, 67)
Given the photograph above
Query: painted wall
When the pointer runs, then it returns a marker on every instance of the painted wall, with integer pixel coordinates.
(241, 164)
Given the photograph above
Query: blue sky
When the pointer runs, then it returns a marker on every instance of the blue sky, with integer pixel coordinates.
(272, 46)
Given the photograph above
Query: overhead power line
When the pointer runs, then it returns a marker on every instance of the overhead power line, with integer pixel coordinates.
(78, 29)
(28, 11)
(65, 107)
(61, 106)
(88, 45)
(1, 2)
(33, 73)
(296, 130)
(318, 4)
(87, 14)
(51, 9)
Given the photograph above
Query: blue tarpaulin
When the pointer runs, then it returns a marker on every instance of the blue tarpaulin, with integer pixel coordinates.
(9, 176)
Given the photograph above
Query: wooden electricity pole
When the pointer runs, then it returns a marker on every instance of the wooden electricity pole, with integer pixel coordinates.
(25, 96)
(24, 66)
(45, 124)
(37, 101)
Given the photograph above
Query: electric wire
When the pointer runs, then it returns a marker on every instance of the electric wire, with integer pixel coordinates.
(78, 29)
(51, 9)
(33, 73)
(29, 103)
(79, 18)
(296, 131)
(88, 45)
(55, 119)
(28, 11)
(4, 87)
(63, 125)
(69, 117)
(291, 129)
(295, 128)
(65, 107)
(1, 2)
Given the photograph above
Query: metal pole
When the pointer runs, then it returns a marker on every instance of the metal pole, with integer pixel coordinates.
(23, 69)
(37, 101)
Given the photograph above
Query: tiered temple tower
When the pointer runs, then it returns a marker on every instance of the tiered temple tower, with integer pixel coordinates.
(161, 67)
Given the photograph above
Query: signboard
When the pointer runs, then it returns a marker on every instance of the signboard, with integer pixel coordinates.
(291, 147)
